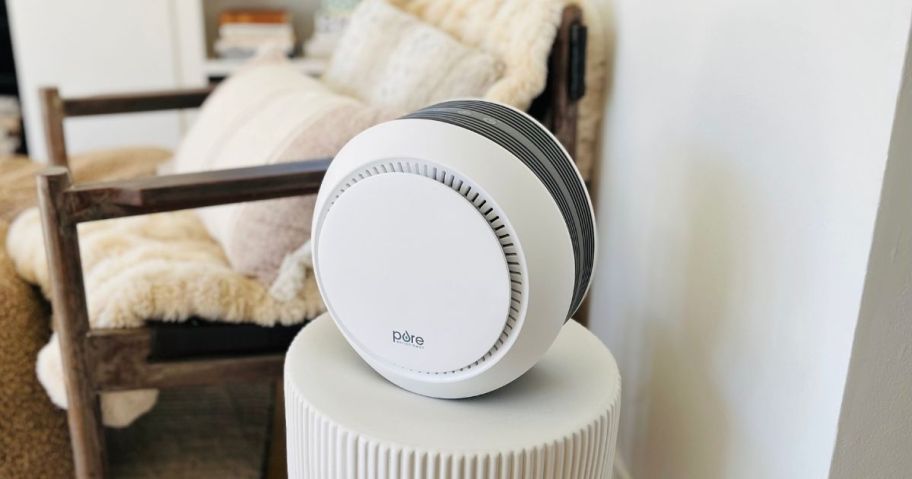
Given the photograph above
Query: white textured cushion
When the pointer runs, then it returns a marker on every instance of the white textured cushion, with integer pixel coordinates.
(391, 59)
(245, 119)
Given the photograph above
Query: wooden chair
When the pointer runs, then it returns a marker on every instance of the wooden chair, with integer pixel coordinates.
(124, 359)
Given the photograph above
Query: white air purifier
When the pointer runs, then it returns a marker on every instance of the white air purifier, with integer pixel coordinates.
(451, 246)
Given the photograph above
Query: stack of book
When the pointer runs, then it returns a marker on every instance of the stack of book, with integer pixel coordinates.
(242, 33)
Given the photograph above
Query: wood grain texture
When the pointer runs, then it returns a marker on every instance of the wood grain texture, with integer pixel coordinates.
(135, 102)
(563, 105)
(52, 117)
(112, 199)
(71, 322)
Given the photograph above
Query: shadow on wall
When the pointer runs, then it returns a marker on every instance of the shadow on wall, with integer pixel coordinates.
(685, 405)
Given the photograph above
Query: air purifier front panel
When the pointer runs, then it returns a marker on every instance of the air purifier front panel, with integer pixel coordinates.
(417, 272)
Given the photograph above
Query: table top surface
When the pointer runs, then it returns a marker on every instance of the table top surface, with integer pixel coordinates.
(575, 383)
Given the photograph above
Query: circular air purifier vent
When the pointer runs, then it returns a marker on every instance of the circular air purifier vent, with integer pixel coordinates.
(452, 244)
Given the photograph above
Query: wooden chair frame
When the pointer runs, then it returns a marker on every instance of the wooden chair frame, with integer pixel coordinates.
(112, 360)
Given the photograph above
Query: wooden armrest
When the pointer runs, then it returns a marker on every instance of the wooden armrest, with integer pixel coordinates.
(113, 199)
(134, 102)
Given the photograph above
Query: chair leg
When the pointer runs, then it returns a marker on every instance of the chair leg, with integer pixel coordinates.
(277, 463)
(71, 324)
(87, 438)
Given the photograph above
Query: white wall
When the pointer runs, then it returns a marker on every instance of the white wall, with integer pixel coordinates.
(102, 46)
(875, 427)
(744, 150)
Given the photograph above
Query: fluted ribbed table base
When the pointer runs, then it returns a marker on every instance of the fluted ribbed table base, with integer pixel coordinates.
(345, 421)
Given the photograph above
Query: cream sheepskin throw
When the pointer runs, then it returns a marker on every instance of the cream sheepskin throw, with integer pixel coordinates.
(163, 266)
(520, 34)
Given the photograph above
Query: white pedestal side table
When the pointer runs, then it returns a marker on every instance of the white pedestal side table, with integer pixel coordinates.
(558, 421)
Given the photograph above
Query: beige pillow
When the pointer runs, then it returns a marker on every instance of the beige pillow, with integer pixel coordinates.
(264, 233)
(267, 113)
(391, 59)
